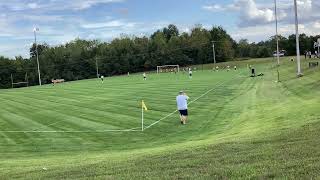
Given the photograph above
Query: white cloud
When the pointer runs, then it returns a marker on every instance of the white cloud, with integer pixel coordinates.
(109, 24)
(253, 12)
(263, 32)
(256, 17)
(40, 18)
(316, 25)
(214, 7)
(249, 11)
(22, 5)
(88, 3)
(33, 5)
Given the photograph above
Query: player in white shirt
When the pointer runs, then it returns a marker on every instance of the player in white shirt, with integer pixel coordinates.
(190, 73)
(102, 78)
(182, 105)
(144, 76)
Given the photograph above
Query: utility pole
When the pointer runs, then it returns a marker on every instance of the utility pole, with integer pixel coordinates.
(318, 52)
(214, 54)
(11, 81)
(97, 67)
(297, 39)
(35, 41)
(277, 37)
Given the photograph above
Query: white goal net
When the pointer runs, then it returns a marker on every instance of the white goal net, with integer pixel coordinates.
(168, 68)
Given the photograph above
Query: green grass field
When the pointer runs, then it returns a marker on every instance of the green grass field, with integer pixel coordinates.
(239, 127)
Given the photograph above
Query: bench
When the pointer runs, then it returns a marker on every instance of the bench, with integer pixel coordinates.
(55, 81)
(313, 64)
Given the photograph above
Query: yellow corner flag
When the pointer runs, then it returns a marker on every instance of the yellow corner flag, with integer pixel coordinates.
(144, 106)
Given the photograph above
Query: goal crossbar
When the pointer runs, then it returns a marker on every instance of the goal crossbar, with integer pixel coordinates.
(168, 66)
(21, 82)
(17, 83)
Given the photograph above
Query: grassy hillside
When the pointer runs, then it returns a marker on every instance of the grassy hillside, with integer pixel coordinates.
(239, 127)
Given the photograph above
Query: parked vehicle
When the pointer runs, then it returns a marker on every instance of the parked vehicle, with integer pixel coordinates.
(281, 53)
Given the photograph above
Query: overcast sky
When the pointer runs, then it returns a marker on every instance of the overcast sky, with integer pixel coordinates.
(60, 21)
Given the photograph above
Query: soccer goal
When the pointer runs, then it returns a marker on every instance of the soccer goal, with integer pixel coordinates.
(168, 68)
(24, 83)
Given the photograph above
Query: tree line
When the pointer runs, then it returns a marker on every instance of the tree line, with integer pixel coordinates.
(80, 58)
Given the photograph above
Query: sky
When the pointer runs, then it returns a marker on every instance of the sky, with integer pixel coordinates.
(61, 21)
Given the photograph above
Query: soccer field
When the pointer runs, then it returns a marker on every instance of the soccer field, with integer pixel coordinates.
(239, 127)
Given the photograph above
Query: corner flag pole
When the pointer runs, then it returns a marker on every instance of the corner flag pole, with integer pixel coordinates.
(143, 107)
(142, 117)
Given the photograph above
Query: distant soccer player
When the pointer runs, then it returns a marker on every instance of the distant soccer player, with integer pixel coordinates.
(190, 73)
(217, 68)
(144, 76)
(235, 68)
(182, 104)
(102, 77)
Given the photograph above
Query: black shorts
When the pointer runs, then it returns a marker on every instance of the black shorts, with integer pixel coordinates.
(184, 112)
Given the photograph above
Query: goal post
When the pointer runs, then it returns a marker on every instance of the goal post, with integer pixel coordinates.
(168, 68)
(24, 83)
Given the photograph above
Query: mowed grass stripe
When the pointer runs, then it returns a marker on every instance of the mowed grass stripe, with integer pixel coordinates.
(84, 115)
(215, 91)
(172, 98)
(61, 110)
(248, 118)
(87, 97)
(222, 106)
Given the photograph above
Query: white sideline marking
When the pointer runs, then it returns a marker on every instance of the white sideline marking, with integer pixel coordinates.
(101, 131)
(124, 130)
(216, 86)
(161, 119)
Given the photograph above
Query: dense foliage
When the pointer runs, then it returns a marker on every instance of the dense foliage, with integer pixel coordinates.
(78, 59)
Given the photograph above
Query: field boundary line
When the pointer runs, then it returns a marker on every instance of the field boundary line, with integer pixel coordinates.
(136, 129)
(57, 131)
(220, 83)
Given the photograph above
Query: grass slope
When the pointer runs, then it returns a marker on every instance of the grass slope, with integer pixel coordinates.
(242, 128)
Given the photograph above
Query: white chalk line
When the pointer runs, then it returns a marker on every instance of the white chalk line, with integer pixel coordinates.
(99, 131)
(214, 88)
(120, 130)
(161, 119)
(50, 124)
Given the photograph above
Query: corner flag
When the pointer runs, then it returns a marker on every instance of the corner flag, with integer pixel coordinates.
(144, 106)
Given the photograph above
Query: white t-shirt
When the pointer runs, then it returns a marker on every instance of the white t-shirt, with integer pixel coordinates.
(182, 103)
